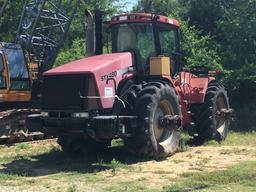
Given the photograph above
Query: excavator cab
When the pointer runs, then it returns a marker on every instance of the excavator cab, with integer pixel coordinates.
(15, 79)
(17, 67)
(148, 36)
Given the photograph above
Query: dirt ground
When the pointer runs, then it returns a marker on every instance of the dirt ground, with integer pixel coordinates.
(206, 158)
(41, 166)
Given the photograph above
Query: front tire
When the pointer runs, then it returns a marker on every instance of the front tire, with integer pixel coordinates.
(150, 139)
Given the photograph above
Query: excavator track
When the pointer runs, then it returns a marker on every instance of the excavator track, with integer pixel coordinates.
(13, 129)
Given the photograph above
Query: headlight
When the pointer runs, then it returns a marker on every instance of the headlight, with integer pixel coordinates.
(44, 114)
(81, 115)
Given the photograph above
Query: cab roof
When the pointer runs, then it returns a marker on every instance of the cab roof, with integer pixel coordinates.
(142, 17)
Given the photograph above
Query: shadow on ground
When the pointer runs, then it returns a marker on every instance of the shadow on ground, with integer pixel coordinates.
(57, 161)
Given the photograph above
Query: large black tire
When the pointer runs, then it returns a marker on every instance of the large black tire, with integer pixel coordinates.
(208, 125)
(76, 145)
(153, 101)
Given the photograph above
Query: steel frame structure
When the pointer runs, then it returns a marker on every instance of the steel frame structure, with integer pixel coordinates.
(43, 28)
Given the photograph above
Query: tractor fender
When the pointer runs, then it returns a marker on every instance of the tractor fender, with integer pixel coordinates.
(199, 88)
(129, 81)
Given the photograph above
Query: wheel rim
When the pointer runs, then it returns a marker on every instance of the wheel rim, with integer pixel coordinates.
(164, 108)
(220, 122)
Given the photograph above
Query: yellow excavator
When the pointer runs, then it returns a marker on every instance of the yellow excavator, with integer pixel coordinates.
(42, 30)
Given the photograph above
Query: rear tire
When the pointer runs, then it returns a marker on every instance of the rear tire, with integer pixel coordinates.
(208, 125)
(149, 139)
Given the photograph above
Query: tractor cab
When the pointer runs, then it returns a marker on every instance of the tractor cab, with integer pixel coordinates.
(147, 36)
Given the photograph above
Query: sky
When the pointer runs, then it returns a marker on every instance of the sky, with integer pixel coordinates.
(130, 4)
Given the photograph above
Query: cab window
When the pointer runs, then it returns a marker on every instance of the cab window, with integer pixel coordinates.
(18, 70)
(168, 40)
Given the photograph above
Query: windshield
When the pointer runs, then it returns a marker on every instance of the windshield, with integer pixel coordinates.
(17, 69)
(134, 36)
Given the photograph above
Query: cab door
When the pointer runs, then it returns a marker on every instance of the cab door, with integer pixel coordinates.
(170, 45)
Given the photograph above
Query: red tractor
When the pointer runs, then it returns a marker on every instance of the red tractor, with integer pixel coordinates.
(139, 93)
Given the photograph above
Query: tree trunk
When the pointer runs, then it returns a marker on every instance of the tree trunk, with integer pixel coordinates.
(3, 8)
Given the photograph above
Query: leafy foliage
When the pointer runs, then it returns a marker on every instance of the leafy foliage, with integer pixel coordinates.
(76, 51)
(10, 21)
(198, 50)
(232, 26)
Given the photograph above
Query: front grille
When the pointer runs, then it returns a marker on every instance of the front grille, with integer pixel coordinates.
(65, 92)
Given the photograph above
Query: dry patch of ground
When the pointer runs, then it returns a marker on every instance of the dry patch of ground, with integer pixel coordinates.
(206, 158)
(42, 166)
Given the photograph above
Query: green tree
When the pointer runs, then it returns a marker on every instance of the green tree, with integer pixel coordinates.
(9, 21)
(237, 34)
(168, 7)
(199, 51)
(204, 15)
(74, 52)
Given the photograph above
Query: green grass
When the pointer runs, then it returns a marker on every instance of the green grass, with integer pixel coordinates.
(131, 187)
(236, 151)
(22, 146)
(177, 161)
(241, 139)
(72, 188)
(8, 177)
(240, 177)
(236, 139)
(5, 159)
(233, 139)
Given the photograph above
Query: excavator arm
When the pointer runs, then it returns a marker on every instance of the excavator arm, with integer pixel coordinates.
(43, 28)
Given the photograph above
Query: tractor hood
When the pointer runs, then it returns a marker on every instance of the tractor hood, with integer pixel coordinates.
(112, 67)
(96, 64)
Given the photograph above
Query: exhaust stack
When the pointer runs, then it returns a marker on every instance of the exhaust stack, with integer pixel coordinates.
(89, 34)
(98, 31)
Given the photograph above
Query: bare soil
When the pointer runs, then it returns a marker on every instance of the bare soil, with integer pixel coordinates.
(41, 166)
(207, 158)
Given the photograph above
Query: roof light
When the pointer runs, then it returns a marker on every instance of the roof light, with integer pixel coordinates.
(171, 21)
(218, 71)
(81, 115)
(132, 17)
(44, 114)
(114, 18)
(123, 18)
